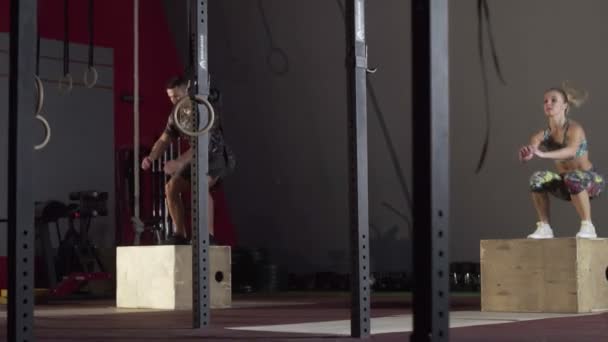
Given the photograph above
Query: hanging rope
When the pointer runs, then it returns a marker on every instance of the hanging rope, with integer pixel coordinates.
(139, 226)
(238, 72)
(276, 58)
(40, 92)
(66, 87)
(342, 9)
(483, 14)
(90, 83)
(37, 81)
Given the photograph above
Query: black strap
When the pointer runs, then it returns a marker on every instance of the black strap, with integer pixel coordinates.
(91, 33)
(391, 146)
(218, 121)
(483, 13)
(482, 8)
(38, 40)
(66, 38)
(265, 23)
(38, 53)
(566, 126)
(219, 126)
(276, 58)
(342, 9)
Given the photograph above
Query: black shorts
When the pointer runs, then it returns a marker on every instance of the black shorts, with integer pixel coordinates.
(217, 169)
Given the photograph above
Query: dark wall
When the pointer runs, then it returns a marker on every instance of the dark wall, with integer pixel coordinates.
(286, 119)
(289, 131)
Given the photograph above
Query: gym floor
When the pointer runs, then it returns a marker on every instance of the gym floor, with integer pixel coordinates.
(313, 316)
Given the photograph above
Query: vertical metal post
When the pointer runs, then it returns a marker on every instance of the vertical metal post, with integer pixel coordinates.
(200, 230)
(20, 239)
(430, 97)
(356, 52)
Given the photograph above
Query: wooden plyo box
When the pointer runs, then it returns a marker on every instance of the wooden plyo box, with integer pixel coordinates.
(160, 277)
(562, 275)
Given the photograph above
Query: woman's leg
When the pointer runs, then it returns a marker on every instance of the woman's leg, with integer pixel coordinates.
(582, 205)
(583, 185)
(541, 183)
(541, 204)
(577, 183)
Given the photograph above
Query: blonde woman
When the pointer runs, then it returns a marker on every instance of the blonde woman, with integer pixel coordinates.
(563, 141)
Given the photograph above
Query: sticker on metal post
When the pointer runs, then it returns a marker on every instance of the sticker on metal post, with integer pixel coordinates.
(360, 21)
(203, 53)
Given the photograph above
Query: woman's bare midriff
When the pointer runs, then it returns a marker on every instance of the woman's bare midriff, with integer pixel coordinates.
(581, 163)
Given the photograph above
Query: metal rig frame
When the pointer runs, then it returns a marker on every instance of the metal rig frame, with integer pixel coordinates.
(431, 167)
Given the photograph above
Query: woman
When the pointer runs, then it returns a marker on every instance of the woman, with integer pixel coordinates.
(563, 141)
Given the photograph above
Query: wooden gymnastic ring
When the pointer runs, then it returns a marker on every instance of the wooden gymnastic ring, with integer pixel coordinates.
(39, 95)
(47, 129)
(70, 83)
(93, 82)
(199, 99)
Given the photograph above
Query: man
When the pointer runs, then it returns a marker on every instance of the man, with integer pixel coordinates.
(220, 160)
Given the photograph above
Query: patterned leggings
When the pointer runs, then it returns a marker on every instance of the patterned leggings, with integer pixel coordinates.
(566, 184)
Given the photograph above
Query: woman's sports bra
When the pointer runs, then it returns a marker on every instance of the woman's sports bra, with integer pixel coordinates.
(551, 145)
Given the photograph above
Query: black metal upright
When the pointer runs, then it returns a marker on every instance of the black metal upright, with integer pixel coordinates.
(430, 96)
(20, 161)
(200, 230)
(356, 52)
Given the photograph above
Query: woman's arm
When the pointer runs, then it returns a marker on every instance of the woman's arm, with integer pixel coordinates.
(537, 139)
(526, 152)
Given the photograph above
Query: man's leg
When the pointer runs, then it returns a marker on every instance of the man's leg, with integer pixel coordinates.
(173, 189)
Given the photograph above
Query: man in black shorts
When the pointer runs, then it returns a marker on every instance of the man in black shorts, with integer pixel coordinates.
(220, 161)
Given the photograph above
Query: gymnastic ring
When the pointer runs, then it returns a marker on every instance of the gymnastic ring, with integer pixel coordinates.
(87, 83)
(47, 129)
(200, 100)
(70, 83)
(39, 94)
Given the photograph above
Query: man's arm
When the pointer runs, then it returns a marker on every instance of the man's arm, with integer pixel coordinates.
(186, 157)
(157, 150)
(160, 146)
